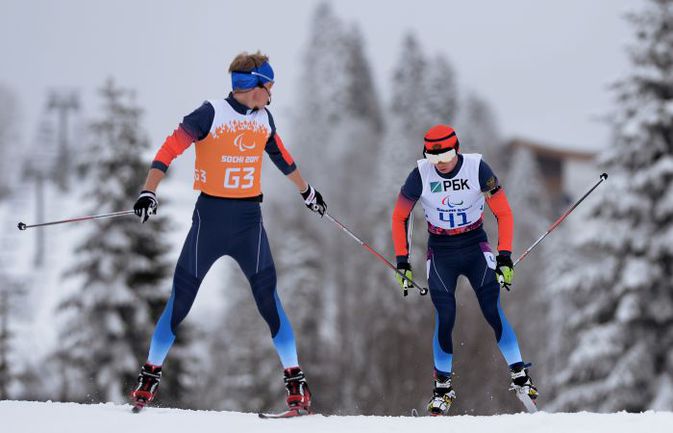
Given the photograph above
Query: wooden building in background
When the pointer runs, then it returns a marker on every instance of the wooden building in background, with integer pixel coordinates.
(567, 172)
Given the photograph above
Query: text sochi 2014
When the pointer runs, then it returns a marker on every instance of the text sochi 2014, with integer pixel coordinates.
(239, 159)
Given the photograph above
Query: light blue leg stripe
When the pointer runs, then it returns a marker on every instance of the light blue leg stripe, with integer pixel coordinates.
(443, 360)
(508, 344)
(284, 340)
(163, 336)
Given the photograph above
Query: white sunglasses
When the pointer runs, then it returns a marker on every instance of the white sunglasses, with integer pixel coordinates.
(442, 157)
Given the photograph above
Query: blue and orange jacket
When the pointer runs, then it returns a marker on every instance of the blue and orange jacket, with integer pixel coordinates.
(230, 139)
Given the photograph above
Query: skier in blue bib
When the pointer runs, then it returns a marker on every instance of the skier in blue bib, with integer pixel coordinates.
(453, 188)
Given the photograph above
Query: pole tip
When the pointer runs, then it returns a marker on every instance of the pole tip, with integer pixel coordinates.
(21, 226)
(604, 176)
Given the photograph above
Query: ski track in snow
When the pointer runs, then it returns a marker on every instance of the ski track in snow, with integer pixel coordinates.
(49, 417)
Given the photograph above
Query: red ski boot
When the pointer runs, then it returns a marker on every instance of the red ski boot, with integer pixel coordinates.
(147, 387)
(298, 395)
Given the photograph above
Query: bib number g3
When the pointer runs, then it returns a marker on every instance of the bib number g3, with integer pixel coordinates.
(239, 177)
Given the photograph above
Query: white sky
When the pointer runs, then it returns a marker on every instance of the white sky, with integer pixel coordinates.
(543, 65)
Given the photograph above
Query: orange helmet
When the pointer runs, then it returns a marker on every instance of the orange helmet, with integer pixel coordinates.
(439, 139)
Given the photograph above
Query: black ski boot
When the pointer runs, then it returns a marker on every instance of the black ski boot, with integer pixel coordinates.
(147, 387)
(443, 396)
(298, 393)
(523, 386)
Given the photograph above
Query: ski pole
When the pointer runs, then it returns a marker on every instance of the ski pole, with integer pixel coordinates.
(22, 226)
(410, 237)
(423, 290)
(558, 221)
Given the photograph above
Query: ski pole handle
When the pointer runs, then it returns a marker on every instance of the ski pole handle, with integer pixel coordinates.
(422, 290)
(603, 176)
(23, 226)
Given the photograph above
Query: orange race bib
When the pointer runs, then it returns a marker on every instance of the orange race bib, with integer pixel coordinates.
(229, 160)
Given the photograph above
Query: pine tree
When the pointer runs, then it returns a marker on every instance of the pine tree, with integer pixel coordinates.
(622, 333)
(424, 94)
(408, 88)
(341, 117)
(120, 268)
(440, 98)
(322, 90)
(341, 129)
(478, 130)
(12, 291)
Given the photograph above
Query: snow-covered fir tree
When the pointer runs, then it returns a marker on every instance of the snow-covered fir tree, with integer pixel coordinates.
(424, 90)
(322, 90)
(424, 93)
(440, 97)
(12, 291)
(621, 333)
(121, 265)
(340, 116)
(560, 257)
(478, 129)
(342, 130)
(408, 80)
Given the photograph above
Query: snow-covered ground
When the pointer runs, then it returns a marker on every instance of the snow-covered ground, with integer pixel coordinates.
(29, 417)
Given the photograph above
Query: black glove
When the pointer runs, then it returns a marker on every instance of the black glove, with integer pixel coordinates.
(146, 205)
(405, 269)
(504, 269)
(314, 201)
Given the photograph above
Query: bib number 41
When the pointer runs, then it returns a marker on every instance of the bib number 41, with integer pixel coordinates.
(455, 220)
(239, 177)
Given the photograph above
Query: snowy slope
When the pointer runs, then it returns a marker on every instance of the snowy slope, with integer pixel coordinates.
(29, 417)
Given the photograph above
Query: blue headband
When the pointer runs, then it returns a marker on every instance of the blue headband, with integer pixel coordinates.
(249, 80)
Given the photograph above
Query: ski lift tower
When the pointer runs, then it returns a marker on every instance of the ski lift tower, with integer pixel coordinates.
(63, 102)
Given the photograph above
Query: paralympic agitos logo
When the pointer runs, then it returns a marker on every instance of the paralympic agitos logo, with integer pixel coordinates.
(238, 142)
(446, 201)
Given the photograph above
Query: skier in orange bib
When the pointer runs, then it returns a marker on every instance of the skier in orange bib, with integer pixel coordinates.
(231, 136)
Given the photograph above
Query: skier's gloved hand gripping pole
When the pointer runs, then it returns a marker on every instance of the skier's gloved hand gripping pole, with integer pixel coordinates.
(422, 290)
(146, 205)
(313, 200)
(560, 220)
